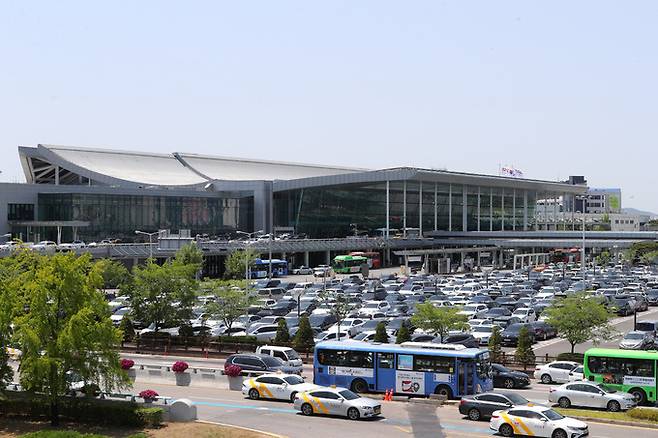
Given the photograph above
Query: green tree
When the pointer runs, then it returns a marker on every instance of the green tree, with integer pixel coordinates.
(438, 320)
(496, 345)
(524, 353)
(303, 340)
(127, 329)
(114, 273)
(603, 259)
(580, 318)
(162, 295)
(403, 335)
(380, 333)
(229, 304)
(65, 328)
(282, 334)
(238, 262)
(191, 258)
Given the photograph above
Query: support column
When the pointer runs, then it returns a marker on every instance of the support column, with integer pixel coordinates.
(525, 210)
(436, 215)
(463, 256)
(450, 207)
(404, 209)
(306, 259)
(491, 210)
(56, 175)
(420, 209)
(388, 210)
(514, 210)
(327, 258)
(478, 228)
(464, 208)
(502, 210)
(479, 258)
(502, 258)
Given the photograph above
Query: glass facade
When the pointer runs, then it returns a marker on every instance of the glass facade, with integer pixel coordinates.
(20, 212)
(118, 216)
(326, 212)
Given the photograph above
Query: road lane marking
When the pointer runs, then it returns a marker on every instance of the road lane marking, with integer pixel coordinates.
(232, 406)
(404, 429)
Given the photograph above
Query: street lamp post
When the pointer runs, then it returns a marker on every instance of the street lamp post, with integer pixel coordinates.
(246, 256)
(150, 240)
(582, 262)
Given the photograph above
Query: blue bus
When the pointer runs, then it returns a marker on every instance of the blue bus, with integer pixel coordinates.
(260, 268)
(411, 368)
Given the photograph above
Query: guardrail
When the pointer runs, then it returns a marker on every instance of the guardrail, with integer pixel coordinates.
(17, 387)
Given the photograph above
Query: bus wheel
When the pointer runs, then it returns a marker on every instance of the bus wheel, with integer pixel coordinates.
(444, 391)
(359, 386)
(639, 395)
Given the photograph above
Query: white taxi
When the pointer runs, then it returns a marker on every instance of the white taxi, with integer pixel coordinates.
(276, 386)
(538, 421)
(336, 401)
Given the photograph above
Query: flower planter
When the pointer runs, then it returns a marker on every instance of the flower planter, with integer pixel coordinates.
(235, 383)
(183, 379)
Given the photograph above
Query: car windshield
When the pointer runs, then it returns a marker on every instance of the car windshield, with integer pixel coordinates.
(517, 399)
(606, 389)
(502, 369)
(552, 415)
(271, 361)
(635, 336)
(294, 380)
(482, 329)
(348, 395)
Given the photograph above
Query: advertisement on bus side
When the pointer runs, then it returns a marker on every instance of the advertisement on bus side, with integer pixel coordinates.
(409, 382)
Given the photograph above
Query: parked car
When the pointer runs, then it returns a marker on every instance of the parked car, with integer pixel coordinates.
(525, 315)
(557, 371)
(337, 401)
(76, 244)
(543, 330)
(465, 339)
(324, 271)
(510, 336)
(481, 406)
(637, 340)
(536, 421)
(508, 379)
(577, 374)
(622, 305)
(261, 362)
(289, 356)
(591, 395)
(264, 332)
(302, 270)
(482, 333)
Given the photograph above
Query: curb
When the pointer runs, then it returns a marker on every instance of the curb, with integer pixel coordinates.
(273, 435)
(619, 422)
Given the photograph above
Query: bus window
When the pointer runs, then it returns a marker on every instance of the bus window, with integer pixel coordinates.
(434, 364)
(386, 360)
(341, 358)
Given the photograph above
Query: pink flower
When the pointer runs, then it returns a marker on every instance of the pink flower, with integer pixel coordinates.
(179, 366)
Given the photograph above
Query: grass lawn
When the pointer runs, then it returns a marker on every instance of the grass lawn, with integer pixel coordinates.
(595, 413)
(13, 428)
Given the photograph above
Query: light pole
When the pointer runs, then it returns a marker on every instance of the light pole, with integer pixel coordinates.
(150, 240)
(246, 256)
(582, 261)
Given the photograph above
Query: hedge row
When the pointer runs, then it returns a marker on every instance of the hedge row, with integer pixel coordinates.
(644, 414)
(572, 357)
(81, 410)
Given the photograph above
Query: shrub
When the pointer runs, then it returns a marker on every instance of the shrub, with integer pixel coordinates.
(127, 329)
(403, 335)
(303, 340)
(573, 357)
(148, 394)
(232, 370)
(282, 334)
(644, 414)
(380, 334)
(151, 417)
(60, 434)
(91, 390)
(179, 366)
(127, 364)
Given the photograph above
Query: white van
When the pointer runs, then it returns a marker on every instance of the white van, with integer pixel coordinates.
(286, 354)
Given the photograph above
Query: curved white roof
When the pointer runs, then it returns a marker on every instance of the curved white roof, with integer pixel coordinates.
(244, 169)
(134, 167)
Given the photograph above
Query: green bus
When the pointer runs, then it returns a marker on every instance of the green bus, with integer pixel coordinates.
(631, 371)
(347, 264)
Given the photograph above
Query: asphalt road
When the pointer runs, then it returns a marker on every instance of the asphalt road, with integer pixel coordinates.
(400, 419)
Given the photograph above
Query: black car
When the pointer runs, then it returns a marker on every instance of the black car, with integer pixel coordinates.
(652, 297)
(508, 379)
(497, 312)
(279, 309)
(481, 406)
(622, 305)
(261, 362)
(322, 322)
(465, 339)
(543, 330)
(510, 336)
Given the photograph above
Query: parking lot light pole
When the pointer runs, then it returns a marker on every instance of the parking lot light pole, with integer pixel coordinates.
(150, 240)
(246, 256)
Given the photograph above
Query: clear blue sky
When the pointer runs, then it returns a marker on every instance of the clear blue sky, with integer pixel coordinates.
(554, 88)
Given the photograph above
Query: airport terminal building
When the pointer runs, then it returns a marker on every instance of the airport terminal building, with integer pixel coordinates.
(94, 194)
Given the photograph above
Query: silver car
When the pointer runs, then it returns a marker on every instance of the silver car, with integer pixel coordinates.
(592, 395)
(336, 401)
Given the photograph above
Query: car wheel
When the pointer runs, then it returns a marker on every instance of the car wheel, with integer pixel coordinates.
(307, 409)
(474, 415)
(506, 430)
(353, 414)
(292, 397)
(254, 394)
(564, 402)
(559, 433)
(546, 379)
(639, 395)
(359, 386)
(613, 406)
(508, 383)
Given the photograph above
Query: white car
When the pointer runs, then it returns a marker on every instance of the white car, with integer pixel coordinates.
(289, 356)
(536, 421)
(264, 332)
(276, 387)
(525, 315)
(371, 307)
(576, 374)
(302, 270)
(44, 245)
(76, 244)
(555, 372)
(324, 271)
(591, 395)
(369, 336)
(330, 336)
(349, 325)
(482, 333)
(473, 311)
(337, 401)
(118, 315)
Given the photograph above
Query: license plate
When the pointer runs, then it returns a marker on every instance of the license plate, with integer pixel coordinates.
(377, 409)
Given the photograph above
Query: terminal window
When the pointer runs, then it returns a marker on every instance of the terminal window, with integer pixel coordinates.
(20, 212)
